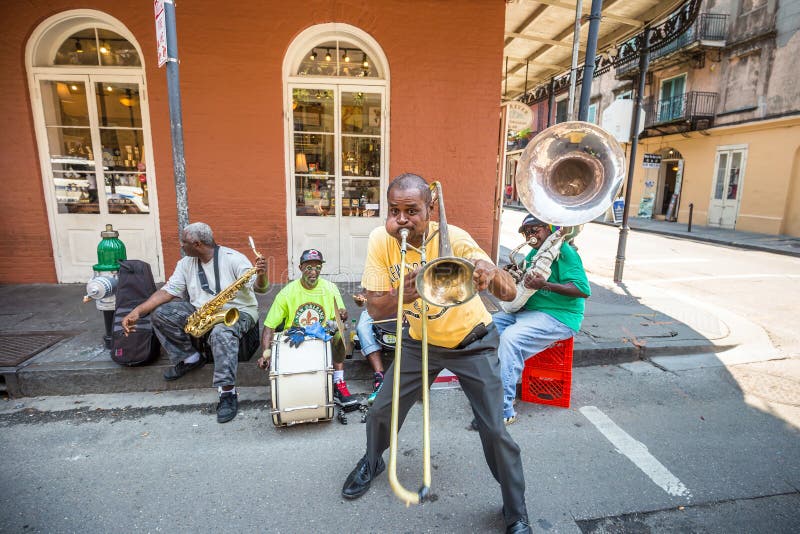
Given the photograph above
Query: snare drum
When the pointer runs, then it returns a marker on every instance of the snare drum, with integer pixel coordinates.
(301, 379)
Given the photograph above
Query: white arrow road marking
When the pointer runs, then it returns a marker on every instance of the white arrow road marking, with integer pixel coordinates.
(636, 452)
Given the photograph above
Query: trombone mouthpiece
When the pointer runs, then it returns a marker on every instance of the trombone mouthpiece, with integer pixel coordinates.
(404, 233)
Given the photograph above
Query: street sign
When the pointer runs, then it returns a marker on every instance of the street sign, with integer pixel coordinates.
(651, 161)
(518, 117)
(161, 31)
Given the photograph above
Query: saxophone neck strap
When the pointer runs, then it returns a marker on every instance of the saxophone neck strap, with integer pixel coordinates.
(201, 273)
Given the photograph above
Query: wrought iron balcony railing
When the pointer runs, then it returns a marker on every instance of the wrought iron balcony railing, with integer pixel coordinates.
(708, 30)
(687, 108)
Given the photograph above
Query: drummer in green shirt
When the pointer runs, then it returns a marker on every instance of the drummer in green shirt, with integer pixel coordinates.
(300, 304)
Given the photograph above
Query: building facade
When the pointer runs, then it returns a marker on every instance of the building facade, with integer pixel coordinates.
(721, 127)
(294, 122)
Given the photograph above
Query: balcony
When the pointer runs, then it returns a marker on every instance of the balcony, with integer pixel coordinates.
(709, 31)
(690, 111)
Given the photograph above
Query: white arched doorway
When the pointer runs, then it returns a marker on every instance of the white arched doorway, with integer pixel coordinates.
(89, 103)
(336, 82)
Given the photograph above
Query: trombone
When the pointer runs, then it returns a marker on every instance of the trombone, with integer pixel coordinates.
(444, 282)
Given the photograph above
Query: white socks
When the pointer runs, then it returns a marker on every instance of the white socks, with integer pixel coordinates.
(194, 358)
(338, 376)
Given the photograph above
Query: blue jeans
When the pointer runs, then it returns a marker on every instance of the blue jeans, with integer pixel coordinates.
(366, 336)
(522, 335)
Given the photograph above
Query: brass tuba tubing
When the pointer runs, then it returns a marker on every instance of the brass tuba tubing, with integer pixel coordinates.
(405, 495)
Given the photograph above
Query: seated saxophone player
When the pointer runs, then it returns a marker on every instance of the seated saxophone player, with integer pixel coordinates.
(461, 338)
(301, 303)
(206, 269)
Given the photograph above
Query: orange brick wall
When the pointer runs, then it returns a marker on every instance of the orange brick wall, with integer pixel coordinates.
(445, 95)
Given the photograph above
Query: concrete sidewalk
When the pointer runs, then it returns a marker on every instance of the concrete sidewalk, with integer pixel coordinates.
(617, 329)
(65, 336)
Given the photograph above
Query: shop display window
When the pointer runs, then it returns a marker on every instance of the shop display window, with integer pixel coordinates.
(315, 196)
(72, 158)
(361, 198)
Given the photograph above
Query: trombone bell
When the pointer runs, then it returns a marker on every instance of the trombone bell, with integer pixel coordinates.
(446, 282)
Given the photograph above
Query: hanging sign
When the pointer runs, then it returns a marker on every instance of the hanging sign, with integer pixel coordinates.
(651, 161)
(161, 31)
(518, 116)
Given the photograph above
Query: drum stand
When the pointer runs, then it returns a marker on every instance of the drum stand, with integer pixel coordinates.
(361, 406)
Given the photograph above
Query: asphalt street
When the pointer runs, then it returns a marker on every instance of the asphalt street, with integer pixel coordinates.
(708, 449)
(694, 443)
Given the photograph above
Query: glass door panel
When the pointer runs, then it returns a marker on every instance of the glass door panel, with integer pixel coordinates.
(733, 176)
(122, 147)
(312, 110)
(722, 166)
(69, 142)
(315, 182)
(361, 117)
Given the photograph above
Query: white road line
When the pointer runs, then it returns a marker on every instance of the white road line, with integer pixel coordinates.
(636, 452)
(718, 277)
(662, 261)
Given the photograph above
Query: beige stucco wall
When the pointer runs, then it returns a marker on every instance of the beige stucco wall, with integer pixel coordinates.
(769, 202)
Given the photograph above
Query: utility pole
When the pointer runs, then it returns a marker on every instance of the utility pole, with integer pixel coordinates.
(644, 62)
(175, 117)
(573, 73)
(588, 63)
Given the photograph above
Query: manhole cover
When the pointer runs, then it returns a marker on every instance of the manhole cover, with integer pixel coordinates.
(16, 348)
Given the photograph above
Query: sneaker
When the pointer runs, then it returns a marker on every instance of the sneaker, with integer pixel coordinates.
(376, 387)
(174, 373)
(510, 420)
(341, 395)
(227, 407)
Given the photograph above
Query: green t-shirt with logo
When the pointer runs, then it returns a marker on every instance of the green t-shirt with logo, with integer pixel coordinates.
(295, 305)
(567, 268)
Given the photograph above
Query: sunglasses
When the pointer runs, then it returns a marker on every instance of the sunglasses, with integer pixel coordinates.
(317, 268)
(528, 230)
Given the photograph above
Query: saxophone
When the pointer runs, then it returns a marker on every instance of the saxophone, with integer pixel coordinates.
(211, 313)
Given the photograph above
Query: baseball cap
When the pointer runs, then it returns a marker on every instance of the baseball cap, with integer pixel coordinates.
(530, 220)
(311, 254)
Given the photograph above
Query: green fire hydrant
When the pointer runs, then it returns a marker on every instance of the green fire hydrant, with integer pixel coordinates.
(103, 286)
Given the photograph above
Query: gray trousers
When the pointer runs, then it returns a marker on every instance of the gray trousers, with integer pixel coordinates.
(478, 370)
(169, 321)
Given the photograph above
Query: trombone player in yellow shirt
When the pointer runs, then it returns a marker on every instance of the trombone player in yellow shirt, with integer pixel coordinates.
(461, 338)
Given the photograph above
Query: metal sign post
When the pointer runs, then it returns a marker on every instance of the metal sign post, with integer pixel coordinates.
(644, 62)
(167, 41)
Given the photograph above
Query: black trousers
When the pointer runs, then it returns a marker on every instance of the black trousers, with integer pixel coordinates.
(478, 370)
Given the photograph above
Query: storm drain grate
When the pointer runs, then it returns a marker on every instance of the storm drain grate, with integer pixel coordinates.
(16, 348)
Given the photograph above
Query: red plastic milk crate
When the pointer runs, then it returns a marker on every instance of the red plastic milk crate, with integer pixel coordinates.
(547, 377)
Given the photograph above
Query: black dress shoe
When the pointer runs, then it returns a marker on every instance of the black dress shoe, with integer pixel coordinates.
(518, 527)
(359, 480)
(174, 373)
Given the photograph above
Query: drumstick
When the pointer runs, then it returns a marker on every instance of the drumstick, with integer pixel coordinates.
(345, 338)
(253, 246)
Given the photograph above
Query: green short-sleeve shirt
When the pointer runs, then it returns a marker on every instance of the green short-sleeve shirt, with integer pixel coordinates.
(567, 268)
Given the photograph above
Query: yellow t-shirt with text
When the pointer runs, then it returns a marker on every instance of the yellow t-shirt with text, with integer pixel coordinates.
(446, 326)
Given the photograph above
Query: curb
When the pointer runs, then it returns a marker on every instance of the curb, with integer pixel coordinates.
(715, 241)
(109, 377)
